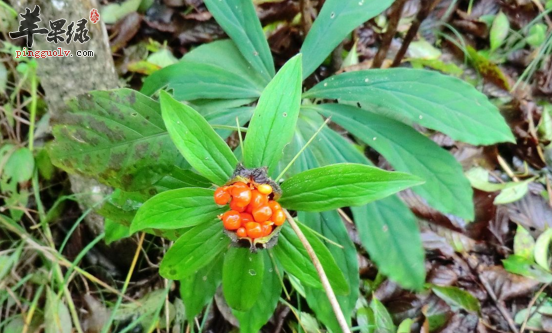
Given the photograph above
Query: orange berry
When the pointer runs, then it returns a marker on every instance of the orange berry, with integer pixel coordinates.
(266, 228)
(262, 214)
(274, 205)
(221, 196)
(238, 186)
(234, 206)
(241, 232)
(265, 189)
(231, 220)
(254, 230)
(279, 217)
(245, 218)
(257, 199)
(241, 197)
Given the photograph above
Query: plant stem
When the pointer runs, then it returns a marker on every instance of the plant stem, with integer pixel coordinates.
(106, 328)
(323, 277)
(390, 33)
(427, 7)
(34, 86)
(302, 149)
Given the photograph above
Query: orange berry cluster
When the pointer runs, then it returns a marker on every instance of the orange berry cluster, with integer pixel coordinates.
(252, 213)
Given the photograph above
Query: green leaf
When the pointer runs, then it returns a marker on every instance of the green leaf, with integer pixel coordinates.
(242, 277)
(116, 136)
(446, 188)
(194, 250)
(422, 49)
(239, 20)
(114, 231)
(197, 289)
(113, 12)
(252, 320)
(382, 318)
(433, 100)
(19, 166)
(176, 209)
(512, 192)
(162, 58)
(15, 324)
(334, 22)
(44, 165)
(524, 243)
(192, 80)
(330, 225)
(214, 70)
(178, 178)
(56, 315)
(541, 249)
(121, 207)
(296, 261)
(522, 266)
(479, 179)
(197, 141)
(405, 326)
(7, 261)
(499, 30)
(365, 320)
(227, 117)
(304, 162)
(226, 55)
(146, 311)
(341, 185)
(537, 35)
(329, 147)
(275, 117)
(389, 232)
(457, 298)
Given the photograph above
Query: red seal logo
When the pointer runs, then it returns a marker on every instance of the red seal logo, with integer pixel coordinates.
(94, 16)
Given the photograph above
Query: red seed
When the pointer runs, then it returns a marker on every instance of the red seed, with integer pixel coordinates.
(262, 214)
(231, 220)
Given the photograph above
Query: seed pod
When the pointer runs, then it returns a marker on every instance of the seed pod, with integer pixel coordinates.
(254, 245)
(257, 176)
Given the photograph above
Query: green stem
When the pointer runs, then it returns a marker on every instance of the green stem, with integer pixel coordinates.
(34, 97)
(321, 274)
(50, 240)
(125, 286)
(302, 150)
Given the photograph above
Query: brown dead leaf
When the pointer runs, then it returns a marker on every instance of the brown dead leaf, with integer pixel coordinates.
(532, 212)
(506, 285)
(97, 315)
(461, 323)
(470, 25)
(125, 30)
(442, 276)
(544, 78)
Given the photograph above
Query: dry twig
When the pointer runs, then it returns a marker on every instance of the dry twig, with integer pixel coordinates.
(323, 277)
